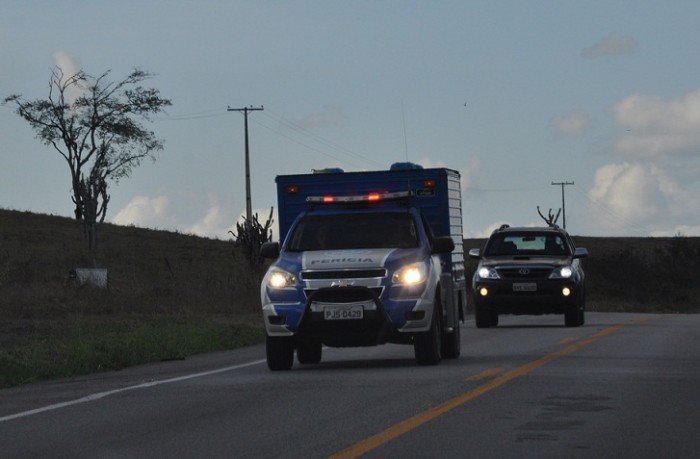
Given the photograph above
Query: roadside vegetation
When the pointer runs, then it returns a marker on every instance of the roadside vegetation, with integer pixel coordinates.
(172, 295)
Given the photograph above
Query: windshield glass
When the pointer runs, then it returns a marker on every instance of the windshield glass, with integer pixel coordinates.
(354, 231)
(530, 244)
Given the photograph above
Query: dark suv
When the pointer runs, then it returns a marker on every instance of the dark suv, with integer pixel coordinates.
(529, 271)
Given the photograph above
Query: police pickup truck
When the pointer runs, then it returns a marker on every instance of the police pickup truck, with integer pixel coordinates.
(366, 258)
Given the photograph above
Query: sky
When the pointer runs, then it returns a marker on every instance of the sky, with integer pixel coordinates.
(515, 95)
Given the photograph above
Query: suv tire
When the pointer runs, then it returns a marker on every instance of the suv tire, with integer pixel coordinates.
(482, 316)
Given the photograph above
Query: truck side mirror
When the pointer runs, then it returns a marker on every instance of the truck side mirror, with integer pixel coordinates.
(580, 252)
(475, 253)
(443, 244)
(270, 250)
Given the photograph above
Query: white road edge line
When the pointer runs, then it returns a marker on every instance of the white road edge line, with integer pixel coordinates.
(99, 395)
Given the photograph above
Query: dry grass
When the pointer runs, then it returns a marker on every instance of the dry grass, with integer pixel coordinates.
(196, 294)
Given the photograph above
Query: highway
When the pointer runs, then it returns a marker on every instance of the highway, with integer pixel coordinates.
(622, 385)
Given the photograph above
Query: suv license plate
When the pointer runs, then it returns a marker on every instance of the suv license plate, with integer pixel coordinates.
(525, 287)
(343, 312)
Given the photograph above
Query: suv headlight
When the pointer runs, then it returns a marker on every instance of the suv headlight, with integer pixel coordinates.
(412, 274)
(488, 273)
(278, 278)
(564, 272)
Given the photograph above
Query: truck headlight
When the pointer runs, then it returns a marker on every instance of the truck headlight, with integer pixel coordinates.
(564, 272)
(488, 273)
(411, 274)
(281, 279)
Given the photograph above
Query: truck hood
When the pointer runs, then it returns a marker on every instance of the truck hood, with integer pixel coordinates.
(346, 259)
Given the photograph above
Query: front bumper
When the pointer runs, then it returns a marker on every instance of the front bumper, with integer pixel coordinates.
(509, 297)
(388, 316)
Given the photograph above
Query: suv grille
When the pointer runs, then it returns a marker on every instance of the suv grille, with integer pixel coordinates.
(524, 273)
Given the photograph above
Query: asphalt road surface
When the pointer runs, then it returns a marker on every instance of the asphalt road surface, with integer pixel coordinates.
(623, 385)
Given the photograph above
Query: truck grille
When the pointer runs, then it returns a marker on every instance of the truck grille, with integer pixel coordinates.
(344, 274)
(344, 294)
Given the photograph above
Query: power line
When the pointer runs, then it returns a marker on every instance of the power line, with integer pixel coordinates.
(563, 202)
(325, 153)
(303, 131)
(612, 214)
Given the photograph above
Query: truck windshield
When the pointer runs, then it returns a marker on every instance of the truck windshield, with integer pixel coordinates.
(354, 231)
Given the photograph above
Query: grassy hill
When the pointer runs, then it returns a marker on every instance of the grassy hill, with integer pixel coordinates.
(171, 295)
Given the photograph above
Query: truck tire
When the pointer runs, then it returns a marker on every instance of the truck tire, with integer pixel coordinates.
(280, 352)
(452, 342)
(427, 345)
(309, 351)
(482, 316)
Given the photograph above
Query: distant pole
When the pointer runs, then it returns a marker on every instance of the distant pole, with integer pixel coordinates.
(248, 202)
(563, 202)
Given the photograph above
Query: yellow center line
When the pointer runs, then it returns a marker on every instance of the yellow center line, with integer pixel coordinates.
(568, 340)
(486, 374)
(419, 419)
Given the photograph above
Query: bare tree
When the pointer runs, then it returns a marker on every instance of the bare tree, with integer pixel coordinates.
(95, 125)
(251, 236)
(551, 219)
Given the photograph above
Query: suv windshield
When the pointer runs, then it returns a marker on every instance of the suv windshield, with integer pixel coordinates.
(354, 231)
(529, 244)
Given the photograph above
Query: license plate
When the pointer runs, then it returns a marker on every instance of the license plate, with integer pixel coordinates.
(343, 312)
(525, 287)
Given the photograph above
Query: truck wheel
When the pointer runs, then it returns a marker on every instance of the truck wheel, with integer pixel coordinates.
(482, 316)
(494, 319)
(451, 343)
(309, 351)
(280, 352)
(426, 345)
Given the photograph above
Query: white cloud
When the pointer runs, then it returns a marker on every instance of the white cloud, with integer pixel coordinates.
(66, 63)
(146, 212)
(485, 232)
(181, 212)
(330, 116)
(571, 125)
(69, 67)
(655, 127)
(612, 45)
(637, 196)
(429, 163)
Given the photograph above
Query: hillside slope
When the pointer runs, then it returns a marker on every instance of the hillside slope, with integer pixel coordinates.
(149, 271)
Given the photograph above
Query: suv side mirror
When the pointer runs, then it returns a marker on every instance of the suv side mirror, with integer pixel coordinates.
(270, 250)
(443, 244)
(475, 253)
(580, 252)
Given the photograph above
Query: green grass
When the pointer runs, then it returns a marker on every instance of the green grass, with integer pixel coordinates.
(89, 345)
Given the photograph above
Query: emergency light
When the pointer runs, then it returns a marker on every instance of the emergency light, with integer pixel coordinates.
(371, 197)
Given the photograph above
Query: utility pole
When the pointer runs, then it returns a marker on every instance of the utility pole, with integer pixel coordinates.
(248, 203)
(563, 202)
